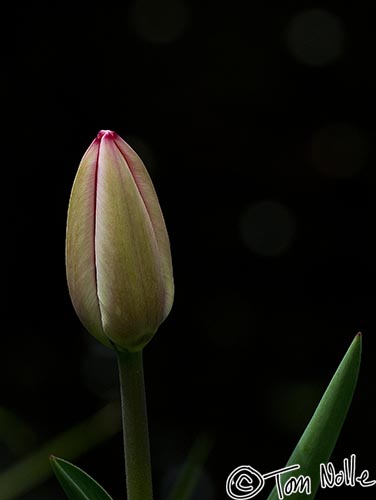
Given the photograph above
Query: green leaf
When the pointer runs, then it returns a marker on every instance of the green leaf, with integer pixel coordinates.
(319, 438)
(76, 483)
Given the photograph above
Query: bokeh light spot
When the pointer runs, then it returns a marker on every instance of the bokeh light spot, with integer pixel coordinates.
(267, 228)
(160, 22)
(339, 149)
(315, 37)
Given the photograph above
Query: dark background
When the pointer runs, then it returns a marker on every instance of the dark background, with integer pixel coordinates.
(257, 127)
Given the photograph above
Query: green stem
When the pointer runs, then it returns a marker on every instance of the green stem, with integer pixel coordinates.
(135, 426)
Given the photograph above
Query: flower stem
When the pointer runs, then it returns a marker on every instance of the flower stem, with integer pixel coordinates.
(135, 426)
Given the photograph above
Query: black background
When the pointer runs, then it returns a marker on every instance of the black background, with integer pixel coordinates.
(227, 116)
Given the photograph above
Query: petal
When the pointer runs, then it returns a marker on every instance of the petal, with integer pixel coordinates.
(149, 196)
(80, 249)
(129, 277)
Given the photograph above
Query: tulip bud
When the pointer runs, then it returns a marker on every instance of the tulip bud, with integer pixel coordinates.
(118, 257)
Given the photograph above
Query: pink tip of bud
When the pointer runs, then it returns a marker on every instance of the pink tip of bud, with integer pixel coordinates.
(106, 133)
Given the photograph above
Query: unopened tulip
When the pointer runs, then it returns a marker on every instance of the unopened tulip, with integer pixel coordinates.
(118, 257)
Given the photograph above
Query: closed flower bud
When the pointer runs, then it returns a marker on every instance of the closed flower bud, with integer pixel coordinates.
(118, 257)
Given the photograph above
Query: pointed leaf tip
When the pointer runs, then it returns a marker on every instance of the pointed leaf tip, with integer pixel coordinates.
(321, 434)
(76, 483)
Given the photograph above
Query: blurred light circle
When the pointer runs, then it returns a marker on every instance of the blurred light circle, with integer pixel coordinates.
(339, 149)
(315, 37)
(159, 22)
(267, 228)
